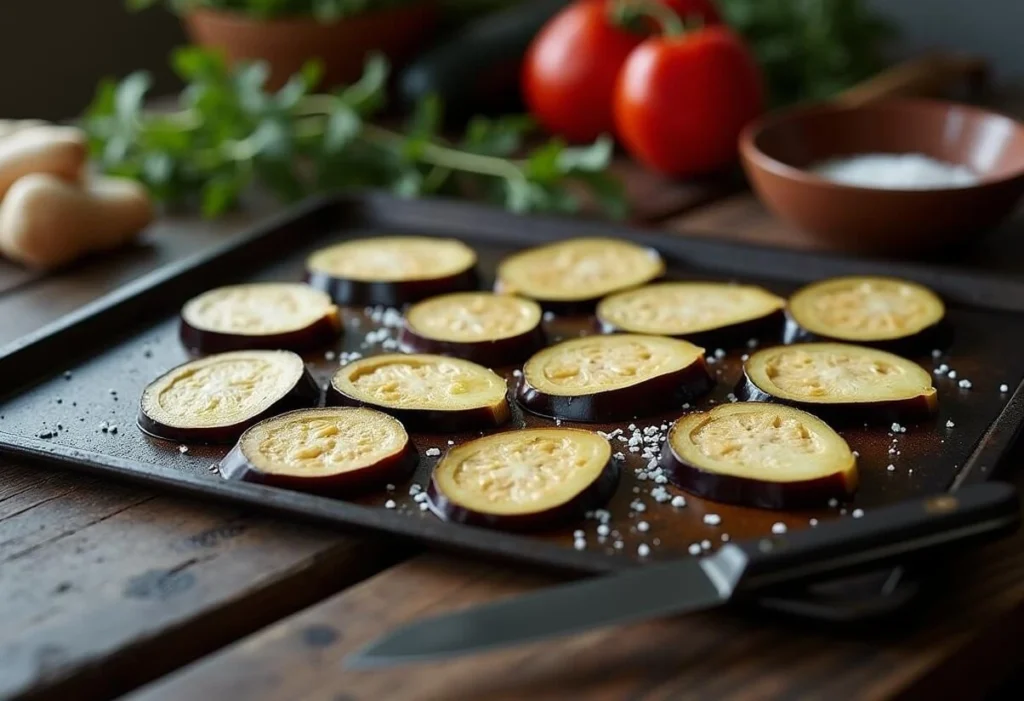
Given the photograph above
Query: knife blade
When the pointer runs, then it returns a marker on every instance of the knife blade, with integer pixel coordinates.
(737, 570)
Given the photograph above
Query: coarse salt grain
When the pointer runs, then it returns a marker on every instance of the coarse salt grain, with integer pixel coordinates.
(705, 544)
(678, 502)
(694, 549)
(603, 530)
(725, 537)
(719, 352)
(857, 513)
(890, 467)
(936, 353)
(712, 519)
(390, 504)
(952, 374)
(965, 384)
(424, 506)
(579, 544)
(643, 526)
(833, 502)
(813, 522)
(950, 424)
(182, 449)
(1004, 388)
(578, 533)
(778, 528)
(643, 550)
(432, 452)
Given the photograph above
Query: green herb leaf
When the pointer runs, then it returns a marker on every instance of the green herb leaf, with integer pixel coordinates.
(232, 131)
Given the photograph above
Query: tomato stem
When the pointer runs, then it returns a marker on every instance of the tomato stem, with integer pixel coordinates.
(625, 13)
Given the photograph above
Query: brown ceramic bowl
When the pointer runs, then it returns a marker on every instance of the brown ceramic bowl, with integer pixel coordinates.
(342, 46)
(776, 150)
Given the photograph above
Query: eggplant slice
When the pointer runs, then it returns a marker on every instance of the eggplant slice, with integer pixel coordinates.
(569, 277)
(479, 326)
(429, 392)
(524, 480)
(875, 311)
(333, 451)
(265, 315)
(392, 270)
(712, 313)
(840, 382)
(214, 399)
(613, 378)
(761, 455)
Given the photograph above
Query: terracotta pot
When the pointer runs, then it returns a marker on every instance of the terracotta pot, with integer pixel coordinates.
(342, 46)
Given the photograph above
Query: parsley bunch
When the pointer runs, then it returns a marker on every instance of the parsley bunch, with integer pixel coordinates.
(231, 132)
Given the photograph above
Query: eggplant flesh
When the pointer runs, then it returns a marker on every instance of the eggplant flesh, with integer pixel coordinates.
(332, 451)
(601, 379)
(570, 277)
(530, 479)
(270, 316)
(480, 327)
(705, 313)
(758, 455)
(428, 392)
(885, 313)
(392, 271)
(216, 398)
(841, 383)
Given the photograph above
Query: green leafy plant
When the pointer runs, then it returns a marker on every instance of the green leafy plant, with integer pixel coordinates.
(810, 49)
(231, 132)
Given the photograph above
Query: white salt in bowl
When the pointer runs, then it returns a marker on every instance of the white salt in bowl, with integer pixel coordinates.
(794, 158)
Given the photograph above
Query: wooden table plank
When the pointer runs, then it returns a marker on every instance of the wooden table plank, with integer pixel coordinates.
(718, 655)
(106, 586)
(741, 217)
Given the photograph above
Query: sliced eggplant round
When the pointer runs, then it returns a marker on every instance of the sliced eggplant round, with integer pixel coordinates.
(332, 451)
(524, 480)
(712, 313)
(875, 311)
(433, 393)
(479, 326)
(214, 399)
(392, 270)
(570, 277)
(613, 378)
(265, 315)
(840, 382)
(761, 455)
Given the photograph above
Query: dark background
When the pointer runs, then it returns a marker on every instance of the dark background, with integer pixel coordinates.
(52, 52)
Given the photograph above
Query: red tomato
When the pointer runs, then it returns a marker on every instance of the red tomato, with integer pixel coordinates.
(570, 69)
(681, 101)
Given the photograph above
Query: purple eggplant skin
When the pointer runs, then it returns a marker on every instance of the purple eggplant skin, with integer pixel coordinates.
(595, 496)
(657, 395)
(493, 354)
(393, 469)
(909, 410)
(767, 328)
(744, 491)
(938, 335)
(432, 420)
(361, 293)
(305, 395)
(323, 332)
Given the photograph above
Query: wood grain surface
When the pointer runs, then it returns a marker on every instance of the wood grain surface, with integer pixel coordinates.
(970, 614)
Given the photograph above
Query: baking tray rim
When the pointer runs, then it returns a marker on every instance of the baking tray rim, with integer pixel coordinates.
(981, 464)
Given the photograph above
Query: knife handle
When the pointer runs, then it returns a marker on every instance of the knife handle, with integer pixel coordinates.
(882, 536)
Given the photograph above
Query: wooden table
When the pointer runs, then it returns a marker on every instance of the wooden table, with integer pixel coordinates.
(107, 589)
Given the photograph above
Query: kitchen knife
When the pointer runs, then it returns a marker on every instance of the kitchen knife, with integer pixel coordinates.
(882, 536)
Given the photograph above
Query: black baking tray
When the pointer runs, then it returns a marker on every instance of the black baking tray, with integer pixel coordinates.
(62, 383)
